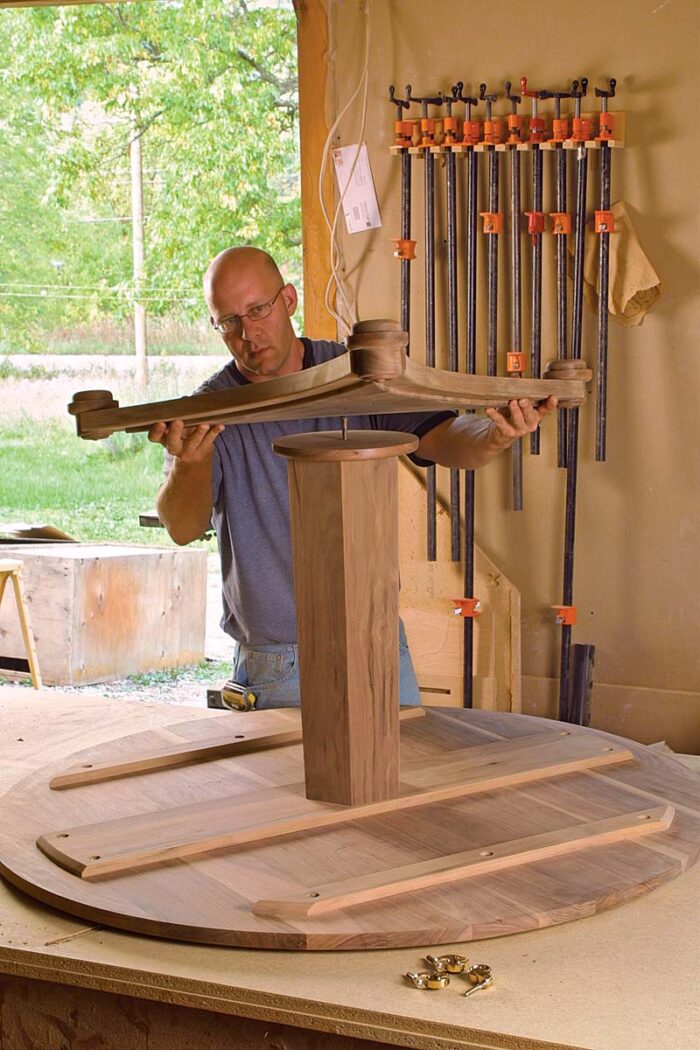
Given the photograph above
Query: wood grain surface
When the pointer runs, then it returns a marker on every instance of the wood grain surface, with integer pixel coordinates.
(357, 444)
(209, 898)
(233, 742)
(339, 387)
(130, 844)
(345, 548)
(318, 899)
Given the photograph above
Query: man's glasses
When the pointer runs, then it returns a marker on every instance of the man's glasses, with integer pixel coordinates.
(233, 325)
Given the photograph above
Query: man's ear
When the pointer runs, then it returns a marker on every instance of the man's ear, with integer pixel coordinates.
(212, 322)
(291, 299)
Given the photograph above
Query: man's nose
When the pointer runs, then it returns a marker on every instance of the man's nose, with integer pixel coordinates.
(248, 328)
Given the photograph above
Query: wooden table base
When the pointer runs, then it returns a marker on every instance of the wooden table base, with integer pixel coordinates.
(504, 823)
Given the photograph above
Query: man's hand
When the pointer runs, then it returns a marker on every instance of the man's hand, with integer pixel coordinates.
(184, 502)
(188, 444)
(520, 418)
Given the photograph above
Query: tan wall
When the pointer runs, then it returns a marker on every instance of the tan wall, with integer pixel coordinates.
(638, 538)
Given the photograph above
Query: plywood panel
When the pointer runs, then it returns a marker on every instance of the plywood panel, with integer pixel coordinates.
(104, 611)
(435, 634)
(647, 715)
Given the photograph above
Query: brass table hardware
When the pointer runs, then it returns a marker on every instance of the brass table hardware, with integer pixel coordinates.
(429, 979)
(480, 976)
(448, 963)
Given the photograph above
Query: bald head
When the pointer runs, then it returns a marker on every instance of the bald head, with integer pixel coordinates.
(244, 288)
(232, 263)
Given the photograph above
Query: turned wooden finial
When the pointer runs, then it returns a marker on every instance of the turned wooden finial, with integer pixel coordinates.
(568, 368)
(378, 349)
(87, 401)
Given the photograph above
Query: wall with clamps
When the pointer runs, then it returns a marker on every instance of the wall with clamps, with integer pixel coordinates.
(638, 526)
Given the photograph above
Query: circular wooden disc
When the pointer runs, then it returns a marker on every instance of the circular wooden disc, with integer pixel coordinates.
(360, 444)
(87, 400)
(208, 898)
(568, 368)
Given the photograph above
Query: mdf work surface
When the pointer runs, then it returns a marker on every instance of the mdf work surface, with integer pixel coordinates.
(623, 979)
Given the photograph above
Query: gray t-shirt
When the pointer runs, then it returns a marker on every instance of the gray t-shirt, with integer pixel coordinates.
(251, 507)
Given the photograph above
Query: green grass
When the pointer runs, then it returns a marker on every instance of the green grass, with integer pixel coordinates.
(35, 372)
(207, 671)
(92, 490)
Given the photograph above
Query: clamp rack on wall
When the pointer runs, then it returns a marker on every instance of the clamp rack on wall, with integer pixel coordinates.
(603, 131)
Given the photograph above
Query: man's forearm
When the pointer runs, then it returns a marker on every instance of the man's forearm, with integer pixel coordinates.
(466, 442)
(184, 502)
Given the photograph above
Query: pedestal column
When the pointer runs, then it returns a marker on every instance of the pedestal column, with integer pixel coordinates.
(344, 521)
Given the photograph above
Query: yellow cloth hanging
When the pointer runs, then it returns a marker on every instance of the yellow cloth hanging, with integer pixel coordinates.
(634, 285)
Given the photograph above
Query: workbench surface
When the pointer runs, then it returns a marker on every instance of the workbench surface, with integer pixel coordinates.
(624, 979)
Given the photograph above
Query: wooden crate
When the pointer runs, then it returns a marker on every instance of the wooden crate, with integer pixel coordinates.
(103, 611)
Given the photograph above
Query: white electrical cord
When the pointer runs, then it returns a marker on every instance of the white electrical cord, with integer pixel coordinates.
(343, 296)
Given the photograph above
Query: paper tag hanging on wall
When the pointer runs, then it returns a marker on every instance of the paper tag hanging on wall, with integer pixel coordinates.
(360, 200)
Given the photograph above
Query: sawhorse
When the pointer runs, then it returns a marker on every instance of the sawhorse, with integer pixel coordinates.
(11, 568)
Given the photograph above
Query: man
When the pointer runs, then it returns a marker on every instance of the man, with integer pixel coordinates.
(229, 475)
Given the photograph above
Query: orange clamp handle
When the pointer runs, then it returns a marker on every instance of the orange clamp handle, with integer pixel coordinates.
(471, 133)
(604, 222)
(560, 129)
(535, 223)
(515, 362)
(582, 130)
(427, 127)
(404, 249)
(515, 128)
(493, 132)
(404, 133)
(468, 607)
(450, 127)
(607, 127)
(561, 222)
(493, 221)
(536, 126)
(566, 614)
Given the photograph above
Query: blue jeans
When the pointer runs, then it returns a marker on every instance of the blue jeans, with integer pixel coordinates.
(272, 672)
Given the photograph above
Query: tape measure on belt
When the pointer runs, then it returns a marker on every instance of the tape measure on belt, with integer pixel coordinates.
(238, 697)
